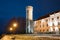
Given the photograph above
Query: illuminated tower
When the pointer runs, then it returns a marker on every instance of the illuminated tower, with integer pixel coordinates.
(29, 19)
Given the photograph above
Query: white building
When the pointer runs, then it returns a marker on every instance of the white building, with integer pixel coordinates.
(48, 23)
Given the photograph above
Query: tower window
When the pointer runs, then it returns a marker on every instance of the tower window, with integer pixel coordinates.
(27, 11)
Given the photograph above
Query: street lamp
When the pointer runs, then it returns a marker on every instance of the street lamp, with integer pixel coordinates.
(11, 29)
(14, 24)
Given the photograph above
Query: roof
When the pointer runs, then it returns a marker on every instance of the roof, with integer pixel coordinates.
(47, 15)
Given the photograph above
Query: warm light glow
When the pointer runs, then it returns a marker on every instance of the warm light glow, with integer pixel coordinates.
(51, 29)
(11, 29)
(15, 25)
(56, 29)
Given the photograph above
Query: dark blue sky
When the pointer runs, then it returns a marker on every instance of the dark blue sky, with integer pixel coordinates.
(17, 8)
(11, 8)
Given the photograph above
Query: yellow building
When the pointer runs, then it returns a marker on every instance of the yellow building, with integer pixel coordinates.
(48, 23)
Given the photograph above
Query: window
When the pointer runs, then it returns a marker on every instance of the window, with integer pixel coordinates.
(46, 20)
(47, 30)
(40, 21)
(35, 26)
(47, 25)
(43, 30)
(40, 25)
(52, 18)
(27, 11)
(57, 17)
(54, 29)
(40, 30)
(43, 25)
(53, 24)
(58, 23)
(59, 29)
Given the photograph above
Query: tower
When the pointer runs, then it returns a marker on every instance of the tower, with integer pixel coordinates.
(29, 19)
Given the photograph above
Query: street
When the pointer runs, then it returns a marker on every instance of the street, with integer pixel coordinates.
(31, 37)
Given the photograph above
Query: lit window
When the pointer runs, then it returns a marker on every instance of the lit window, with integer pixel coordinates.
(56, 29)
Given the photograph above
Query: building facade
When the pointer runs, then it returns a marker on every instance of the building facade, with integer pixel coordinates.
(48, 23)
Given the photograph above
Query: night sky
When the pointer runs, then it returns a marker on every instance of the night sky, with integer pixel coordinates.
(17, 8)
